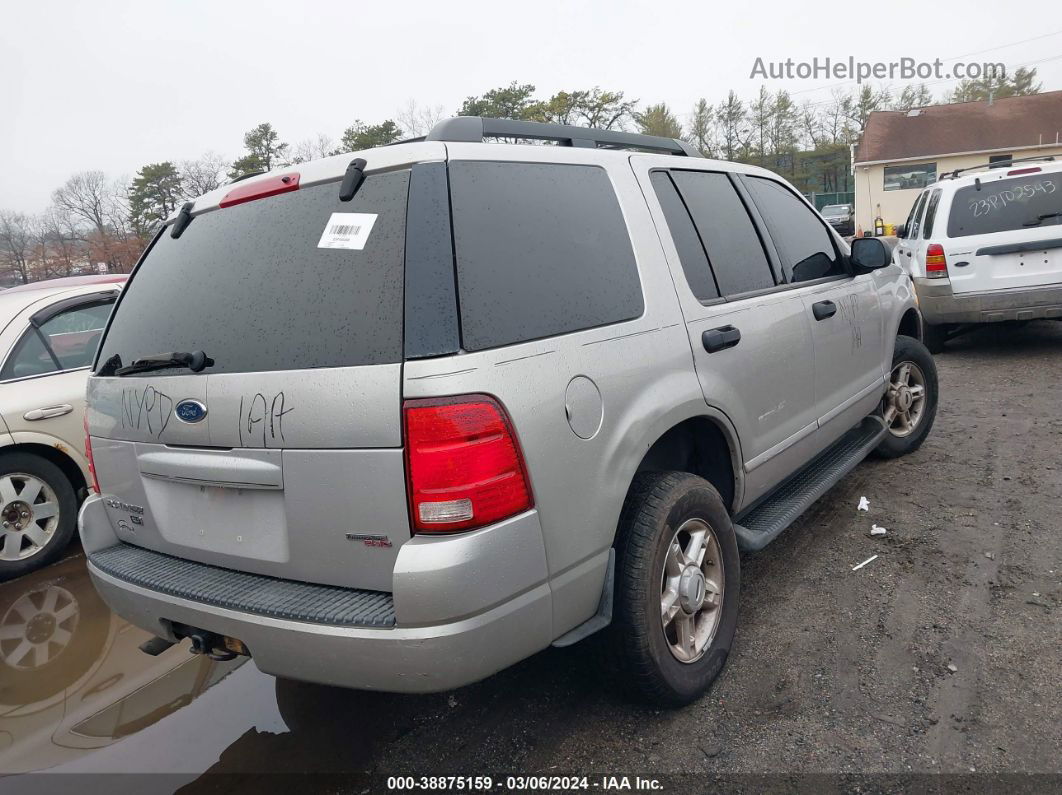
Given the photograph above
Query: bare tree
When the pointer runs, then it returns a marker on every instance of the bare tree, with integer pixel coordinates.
(60, 237)
(418, 120)
(202, 175)
(88, 196)
(321, 145)
(813, 125)
(16, 244)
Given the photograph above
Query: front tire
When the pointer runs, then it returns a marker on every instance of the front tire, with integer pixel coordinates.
(38, 514)
(910, 403)
(678, 581)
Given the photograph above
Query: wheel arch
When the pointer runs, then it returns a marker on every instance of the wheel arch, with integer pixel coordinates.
(702, 445)
(57, 453)
(910, 324)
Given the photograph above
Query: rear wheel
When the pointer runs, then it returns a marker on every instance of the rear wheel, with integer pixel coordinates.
(910, 403)
(678, 579)
(37, 513)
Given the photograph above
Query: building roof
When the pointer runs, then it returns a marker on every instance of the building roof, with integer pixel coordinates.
(1008, 123)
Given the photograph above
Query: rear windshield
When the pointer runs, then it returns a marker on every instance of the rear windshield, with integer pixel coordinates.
(252, 287)
(1006, 205)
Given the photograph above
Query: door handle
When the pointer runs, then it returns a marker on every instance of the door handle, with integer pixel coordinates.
(717, 339)
(824, 309)
(48, 412)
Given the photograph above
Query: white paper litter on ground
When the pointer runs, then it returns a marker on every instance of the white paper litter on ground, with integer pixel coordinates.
(877, 531)
(864, 563)
(864, 504)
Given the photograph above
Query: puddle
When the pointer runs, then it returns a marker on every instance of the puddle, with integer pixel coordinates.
(78, 695)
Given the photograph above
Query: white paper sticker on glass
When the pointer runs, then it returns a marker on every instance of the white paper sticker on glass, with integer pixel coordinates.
(347, 230)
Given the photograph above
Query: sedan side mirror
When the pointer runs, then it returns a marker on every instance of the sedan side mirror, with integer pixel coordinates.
(868, 254)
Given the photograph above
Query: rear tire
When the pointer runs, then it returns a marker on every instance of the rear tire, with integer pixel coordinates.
(910, 403)
(29, 482)
(676, 597)
(934, 337)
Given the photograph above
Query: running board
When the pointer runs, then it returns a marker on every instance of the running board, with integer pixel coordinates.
(757, 527)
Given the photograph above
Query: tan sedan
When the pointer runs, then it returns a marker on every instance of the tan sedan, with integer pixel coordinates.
(48, 336)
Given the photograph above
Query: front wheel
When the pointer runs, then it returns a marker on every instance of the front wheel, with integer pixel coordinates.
(910, 403)
(678, 580)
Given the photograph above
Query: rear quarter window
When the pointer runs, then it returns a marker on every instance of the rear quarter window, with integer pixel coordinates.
(1006, 205)
(542, 249)
(250, 286)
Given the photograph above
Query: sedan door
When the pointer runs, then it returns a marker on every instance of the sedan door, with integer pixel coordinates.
(42, 380)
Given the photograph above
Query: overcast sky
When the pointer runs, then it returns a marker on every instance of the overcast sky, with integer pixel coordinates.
(114, 85)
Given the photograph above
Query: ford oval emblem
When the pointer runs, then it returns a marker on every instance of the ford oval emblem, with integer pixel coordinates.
(190, 411)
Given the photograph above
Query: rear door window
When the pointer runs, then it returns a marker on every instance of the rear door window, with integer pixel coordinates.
(251, 287)
(684, 235)
(931, 213)
(65, 342)
(729, 236)
(1007, 205)
(805, 247)
(916, 217)
(542, 249)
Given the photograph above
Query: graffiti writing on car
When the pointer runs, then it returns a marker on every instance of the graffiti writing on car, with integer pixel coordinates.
(1021, 193)
(146, 409)
(263, 416)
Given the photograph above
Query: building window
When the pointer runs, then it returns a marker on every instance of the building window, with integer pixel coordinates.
(910, 177)
(999, 161)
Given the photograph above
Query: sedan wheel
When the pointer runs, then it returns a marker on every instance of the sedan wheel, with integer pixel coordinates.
(29, 514)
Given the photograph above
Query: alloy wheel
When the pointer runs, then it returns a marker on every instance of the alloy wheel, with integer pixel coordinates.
(691, 592)
(29, 515)
(905, 399)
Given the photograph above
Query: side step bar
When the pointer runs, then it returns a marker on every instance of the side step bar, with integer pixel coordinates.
(762, 523)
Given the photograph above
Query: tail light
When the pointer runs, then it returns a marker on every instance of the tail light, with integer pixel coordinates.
(936, 265)
(464, 467)
(91, 462)
(1017, 171)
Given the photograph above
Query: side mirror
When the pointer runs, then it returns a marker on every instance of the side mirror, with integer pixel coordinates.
(868, 254)
(901, 230)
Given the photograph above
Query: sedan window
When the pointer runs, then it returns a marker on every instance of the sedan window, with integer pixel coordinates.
(65, 342)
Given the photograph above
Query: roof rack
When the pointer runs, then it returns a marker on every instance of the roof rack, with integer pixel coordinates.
(474, 129)
(998, 164)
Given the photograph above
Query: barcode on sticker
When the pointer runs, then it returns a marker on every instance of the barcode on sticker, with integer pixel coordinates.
(347, 230)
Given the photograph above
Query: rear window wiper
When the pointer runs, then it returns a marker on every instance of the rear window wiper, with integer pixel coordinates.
(196, 361)
(1041, 218)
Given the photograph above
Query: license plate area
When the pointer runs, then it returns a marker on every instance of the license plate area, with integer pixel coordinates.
(247, 523)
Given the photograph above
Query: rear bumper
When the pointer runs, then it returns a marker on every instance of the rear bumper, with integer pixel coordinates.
(418, 654)
(939, 304)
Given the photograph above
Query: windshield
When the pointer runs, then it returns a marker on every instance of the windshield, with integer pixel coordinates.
(273, 284)
(835, 210)
(1006, 205)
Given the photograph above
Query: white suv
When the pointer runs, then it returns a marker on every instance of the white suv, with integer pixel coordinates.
(984, 246)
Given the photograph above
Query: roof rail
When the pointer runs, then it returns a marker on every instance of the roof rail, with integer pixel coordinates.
(998, 164)
(474, 129)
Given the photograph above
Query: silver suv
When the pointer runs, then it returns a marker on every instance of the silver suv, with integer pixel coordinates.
(400, 420)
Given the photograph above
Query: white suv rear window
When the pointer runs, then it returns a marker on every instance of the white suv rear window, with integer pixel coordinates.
(1024, 202)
